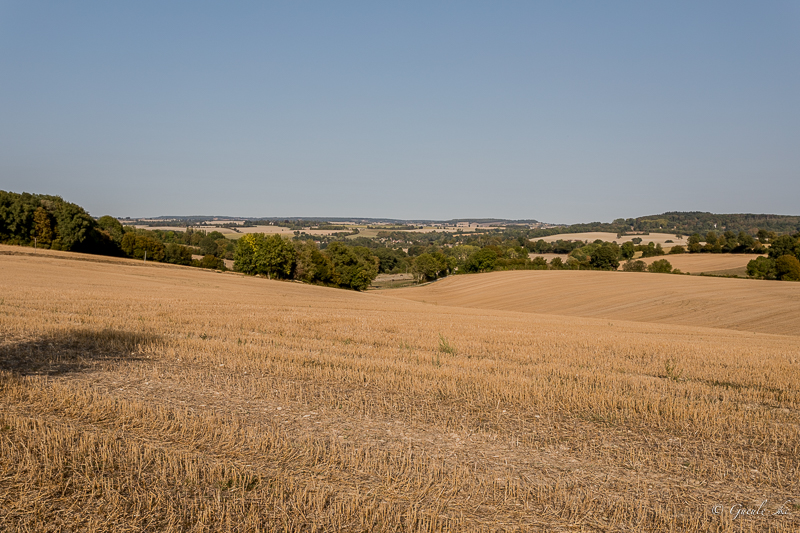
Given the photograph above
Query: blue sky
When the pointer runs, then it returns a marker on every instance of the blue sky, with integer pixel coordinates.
(557, 111)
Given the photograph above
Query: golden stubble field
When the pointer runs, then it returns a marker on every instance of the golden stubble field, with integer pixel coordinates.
(591, 236)
(717, 264)
(150, 397)
(738, 304)
(707, 263)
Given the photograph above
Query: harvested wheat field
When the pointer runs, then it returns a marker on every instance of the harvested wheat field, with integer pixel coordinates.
(591, 236)
(707, 263)
(737, 304)
(139, 397)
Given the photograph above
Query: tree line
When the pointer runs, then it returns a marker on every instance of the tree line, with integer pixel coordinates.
(782, 261)
(277, 257)
(348, 260)
(50, 222)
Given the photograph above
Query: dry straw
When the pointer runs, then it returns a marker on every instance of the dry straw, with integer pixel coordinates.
(142, 397)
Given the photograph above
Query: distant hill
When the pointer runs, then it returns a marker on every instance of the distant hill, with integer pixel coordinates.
(686, 223)
(203, 219)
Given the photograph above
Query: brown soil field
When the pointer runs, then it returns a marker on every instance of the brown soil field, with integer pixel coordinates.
(655, 238)
(740, 304)
(146, 397)
(707, 263)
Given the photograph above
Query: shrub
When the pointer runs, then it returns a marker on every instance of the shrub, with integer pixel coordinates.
(605, 257)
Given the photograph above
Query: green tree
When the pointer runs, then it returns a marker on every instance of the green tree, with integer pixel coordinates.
(209, 244)
(627, 251)
(354, 268)
(557, 263)
(605, 257)
(634, 266)
(425, 267)
(693, 243)
(244, 258)
(276, 257)
(581, 256)
(765, 236)
(74, 228)
(678, 249)
(177, 254)
(661, 266)
(461, 253)
(652, 250)
(540, 263)
(312, 265)
(112, 227)
(787, 268)
(210, 261)
(746, 242)
(43, 230)
(271, 256)
(390, 260)
(784, 245)
(140, 246)
(762, 268)
(484, 260)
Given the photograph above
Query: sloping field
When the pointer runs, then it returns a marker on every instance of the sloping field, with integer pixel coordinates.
(741, 304)
(707, 263)
(143, 397)
(655, 238)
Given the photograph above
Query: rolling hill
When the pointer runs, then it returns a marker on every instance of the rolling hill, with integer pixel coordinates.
(740, 304)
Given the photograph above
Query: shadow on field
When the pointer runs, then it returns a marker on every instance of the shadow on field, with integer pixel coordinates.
(71, 351)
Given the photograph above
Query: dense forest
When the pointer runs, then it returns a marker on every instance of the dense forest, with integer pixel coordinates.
(50, 222)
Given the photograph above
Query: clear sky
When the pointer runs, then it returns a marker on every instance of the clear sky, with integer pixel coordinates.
(557, 111)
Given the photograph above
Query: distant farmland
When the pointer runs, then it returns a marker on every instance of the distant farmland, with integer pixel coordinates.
(720, 264)
(138, 396)
(655, 238)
